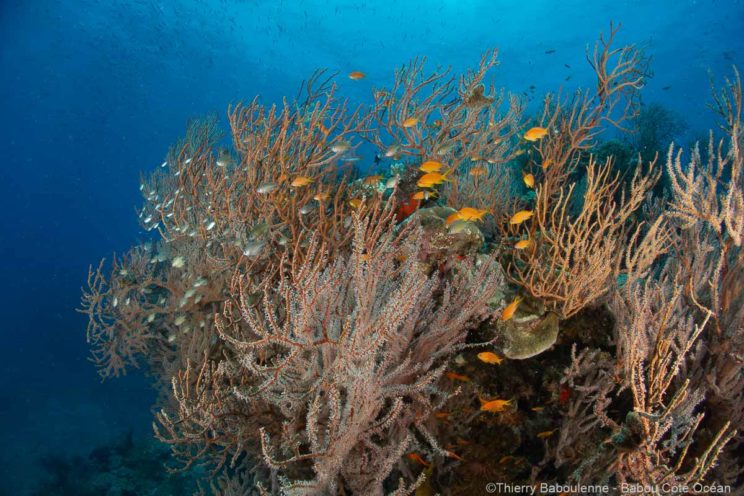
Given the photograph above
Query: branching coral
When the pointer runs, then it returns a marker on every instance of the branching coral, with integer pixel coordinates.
(575, 259)
(345, 354)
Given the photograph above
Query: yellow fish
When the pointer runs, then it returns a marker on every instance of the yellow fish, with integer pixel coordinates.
(300, 181)
(494, 406)
(505, 459)
(523, 244)
(535, 133)
(321, 197)
(356, 75)
(410, 122)
(529, 180)
(508, 312)
(355, 202)
(520, 216)
(546, 434)
(490, 357)
(431, 166)
(547, 164)
(537, 408)
(477, 171)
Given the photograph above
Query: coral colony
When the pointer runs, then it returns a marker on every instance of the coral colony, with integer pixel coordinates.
(496, 307)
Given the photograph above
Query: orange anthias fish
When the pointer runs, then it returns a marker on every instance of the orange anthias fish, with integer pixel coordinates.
(457, 377)
(490, 357)
(452, 454)
(442, 415)
(520, 216)
(508, 312)
(410, 122)
(431, 179)
(321, 197)
(417, 458)
(356, 75)
(300, 181)
(529, 180)
(372, 180)
(535, 133)
(523, 244)
(424, 195)
(494, 406)
(468, 213)
(547, 164)
(546, 434)
(431, 166)
(452, 218)
(477, 171)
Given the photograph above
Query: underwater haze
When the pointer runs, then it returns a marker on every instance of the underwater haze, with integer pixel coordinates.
(93, 94)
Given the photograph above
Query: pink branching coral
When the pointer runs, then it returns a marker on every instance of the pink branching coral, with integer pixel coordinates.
(345, 354)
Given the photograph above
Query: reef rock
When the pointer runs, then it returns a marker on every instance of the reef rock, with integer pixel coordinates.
(442, 241)
(529, 336)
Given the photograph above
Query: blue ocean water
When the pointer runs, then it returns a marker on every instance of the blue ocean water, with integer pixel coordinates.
(92, 92)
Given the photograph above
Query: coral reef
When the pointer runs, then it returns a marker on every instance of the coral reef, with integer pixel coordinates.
(438, 326)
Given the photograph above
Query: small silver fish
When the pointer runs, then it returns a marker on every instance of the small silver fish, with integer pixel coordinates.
(392, 151)
(223, 158)
(253, 248)
(444, 148)
(392, 182)
(340, 147)
(266, 188)
(259, 230)
(306, 209)
(282, 240)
